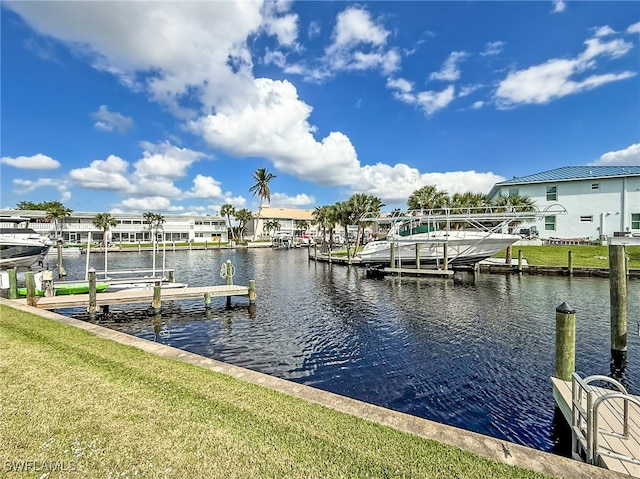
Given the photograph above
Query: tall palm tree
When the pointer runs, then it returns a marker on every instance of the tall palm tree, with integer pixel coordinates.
(345, 216)
(57, 212)
(228, 211)
(261, 188)
(104, 221)
(361, 204)
(243, 216)
(302, 225)
(428, 198)
(517, 204)
(320, 219)
(155, 222)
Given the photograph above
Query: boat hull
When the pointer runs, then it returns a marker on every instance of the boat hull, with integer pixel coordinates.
(21, 254)
(463, 248)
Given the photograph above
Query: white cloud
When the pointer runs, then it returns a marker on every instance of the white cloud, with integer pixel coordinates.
(428, 101)
(107, 175)
(558, 6)
(275, 125)
(354, 26)
(603, 31)
(630, 156)
(35, 162)
(492, 49)
(559, 77)
(394, 184)
(108, 121)
(284, 28)
(165, 160)
(282, 200)
(205, 187)
(634, 28)
(477, 105)
(449, 71)
(150, 203)
(27, 186)
(314, 30)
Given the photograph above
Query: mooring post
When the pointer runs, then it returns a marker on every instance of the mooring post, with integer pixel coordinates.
(618, 298)
(205, 245)
(172, 278)
(157, 300)
(519, 261)
(570, 262)
(417, 255)
(252, 291)
(446, 256)
(92, 294)
(565, 342)
(13, 283)
(392, 254)
(61, 271)
(207, 300)
(31, 288)
(229, 276)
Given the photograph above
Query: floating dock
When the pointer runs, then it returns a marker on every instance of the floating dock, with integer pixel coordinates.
(140, 296)
(612, 450)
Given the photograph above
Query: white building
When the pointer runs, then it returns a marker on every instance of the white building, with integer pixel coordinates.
(601, 201)
(289, 221)
(130, 227)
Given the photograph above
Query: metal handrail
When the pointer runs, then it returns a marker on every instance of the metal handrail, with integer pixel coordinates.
(606, 397)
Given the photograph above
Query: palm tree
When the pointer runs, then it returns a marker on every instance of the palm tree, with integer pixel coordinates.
(471, 202)
(320, 218)
(345, 216)
(243, 216)
(268, 226)
(517, 204)
(56, 211)
(361, 204)
(154, 220)
(302, 225)
(228, 211)
(428, 198)
(261, 188)
(104, 221)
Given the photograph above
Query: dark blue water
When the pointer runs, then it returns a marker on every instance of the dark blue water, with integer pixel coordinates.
(476, 355)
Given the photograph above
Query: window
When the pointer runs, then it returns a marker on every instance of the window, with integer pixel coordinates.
(552, 193)
(635, 221)
(595, 186)
(550, 223)
(513, 191)
(586, 219)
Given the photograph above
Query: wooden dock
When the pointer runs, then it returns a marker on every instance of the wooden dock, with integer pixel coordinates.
(610, 418)
(139, 296)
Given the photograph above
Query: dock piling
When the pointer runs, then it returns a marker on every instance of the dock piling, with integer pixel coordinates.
(13, 283)
(570, 262)
(157, 300)
(618, 302)
(31, 289)
(207, 300)
(252, 291)
(565, 342)
(519, 261)
(92, 294)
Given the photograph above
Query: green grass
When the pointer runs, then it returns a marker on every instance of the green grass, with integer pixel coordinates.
(115, 411)
(585, 256)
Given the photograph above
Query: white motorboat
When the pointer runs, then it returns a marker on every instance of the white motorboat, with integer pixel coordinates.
(463, 246)
(21, 246)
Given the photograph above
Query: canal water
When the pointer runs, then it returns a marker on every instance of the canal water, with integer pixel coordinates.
(476, 355)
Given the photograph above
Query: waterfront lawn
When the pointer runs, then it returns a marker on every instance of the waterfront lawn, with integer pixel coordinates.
(110, 410)
(584, 256)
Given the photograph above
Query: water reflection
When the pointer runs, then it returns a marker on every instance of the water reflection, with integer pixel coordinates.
(474, 352)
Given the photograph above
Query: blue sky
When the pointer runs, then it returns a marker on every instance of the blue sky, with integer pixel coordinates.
(171, 106)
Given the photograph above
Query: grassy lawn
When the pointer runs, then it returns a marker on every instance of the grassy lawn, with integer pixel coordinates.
(586, 256)
(110, 410)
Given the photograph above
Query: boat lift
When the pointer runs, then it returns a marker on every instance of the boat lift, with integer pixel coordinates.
(487, 219)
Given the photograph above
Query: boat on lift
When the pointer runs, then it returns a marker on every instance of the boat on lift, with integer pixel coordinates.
(21, 246)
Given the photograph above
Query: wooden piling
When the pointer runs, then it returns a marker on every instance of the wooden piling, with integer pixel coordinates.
(31, 289)
(157, 300)
(13, 283)
(519, 261)
(252, 291)
(92, 294)
(446, 256)
(565, 342)
(207, 300)
(392, 254)
(172, 278)
(570, 262)
(229, 275)
(618, 297)
(417, 255)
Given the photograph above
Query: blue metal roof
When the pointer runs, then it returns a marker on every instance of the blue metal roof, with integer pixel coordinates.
(574, 173)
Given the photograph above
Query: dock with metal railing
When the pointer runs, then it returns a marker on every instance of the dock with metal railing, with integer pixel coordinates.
(605, 422)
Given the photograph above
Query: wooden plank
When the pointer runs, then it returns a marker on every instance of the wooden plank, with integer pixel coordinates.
(610, 417)
(139, 296)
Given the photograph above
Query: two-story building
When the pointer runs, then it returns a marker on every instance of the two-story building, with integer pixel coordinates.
(601, 201)
(129, 228)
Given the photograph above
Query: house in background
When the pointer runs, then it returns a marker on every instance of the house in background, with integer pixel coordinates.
(130, 227)
(287, 218)
(601, 201)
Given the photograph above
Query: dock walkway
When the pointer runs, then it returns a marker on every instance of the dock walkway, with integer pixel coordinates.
(611, 447)
(138, 296)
